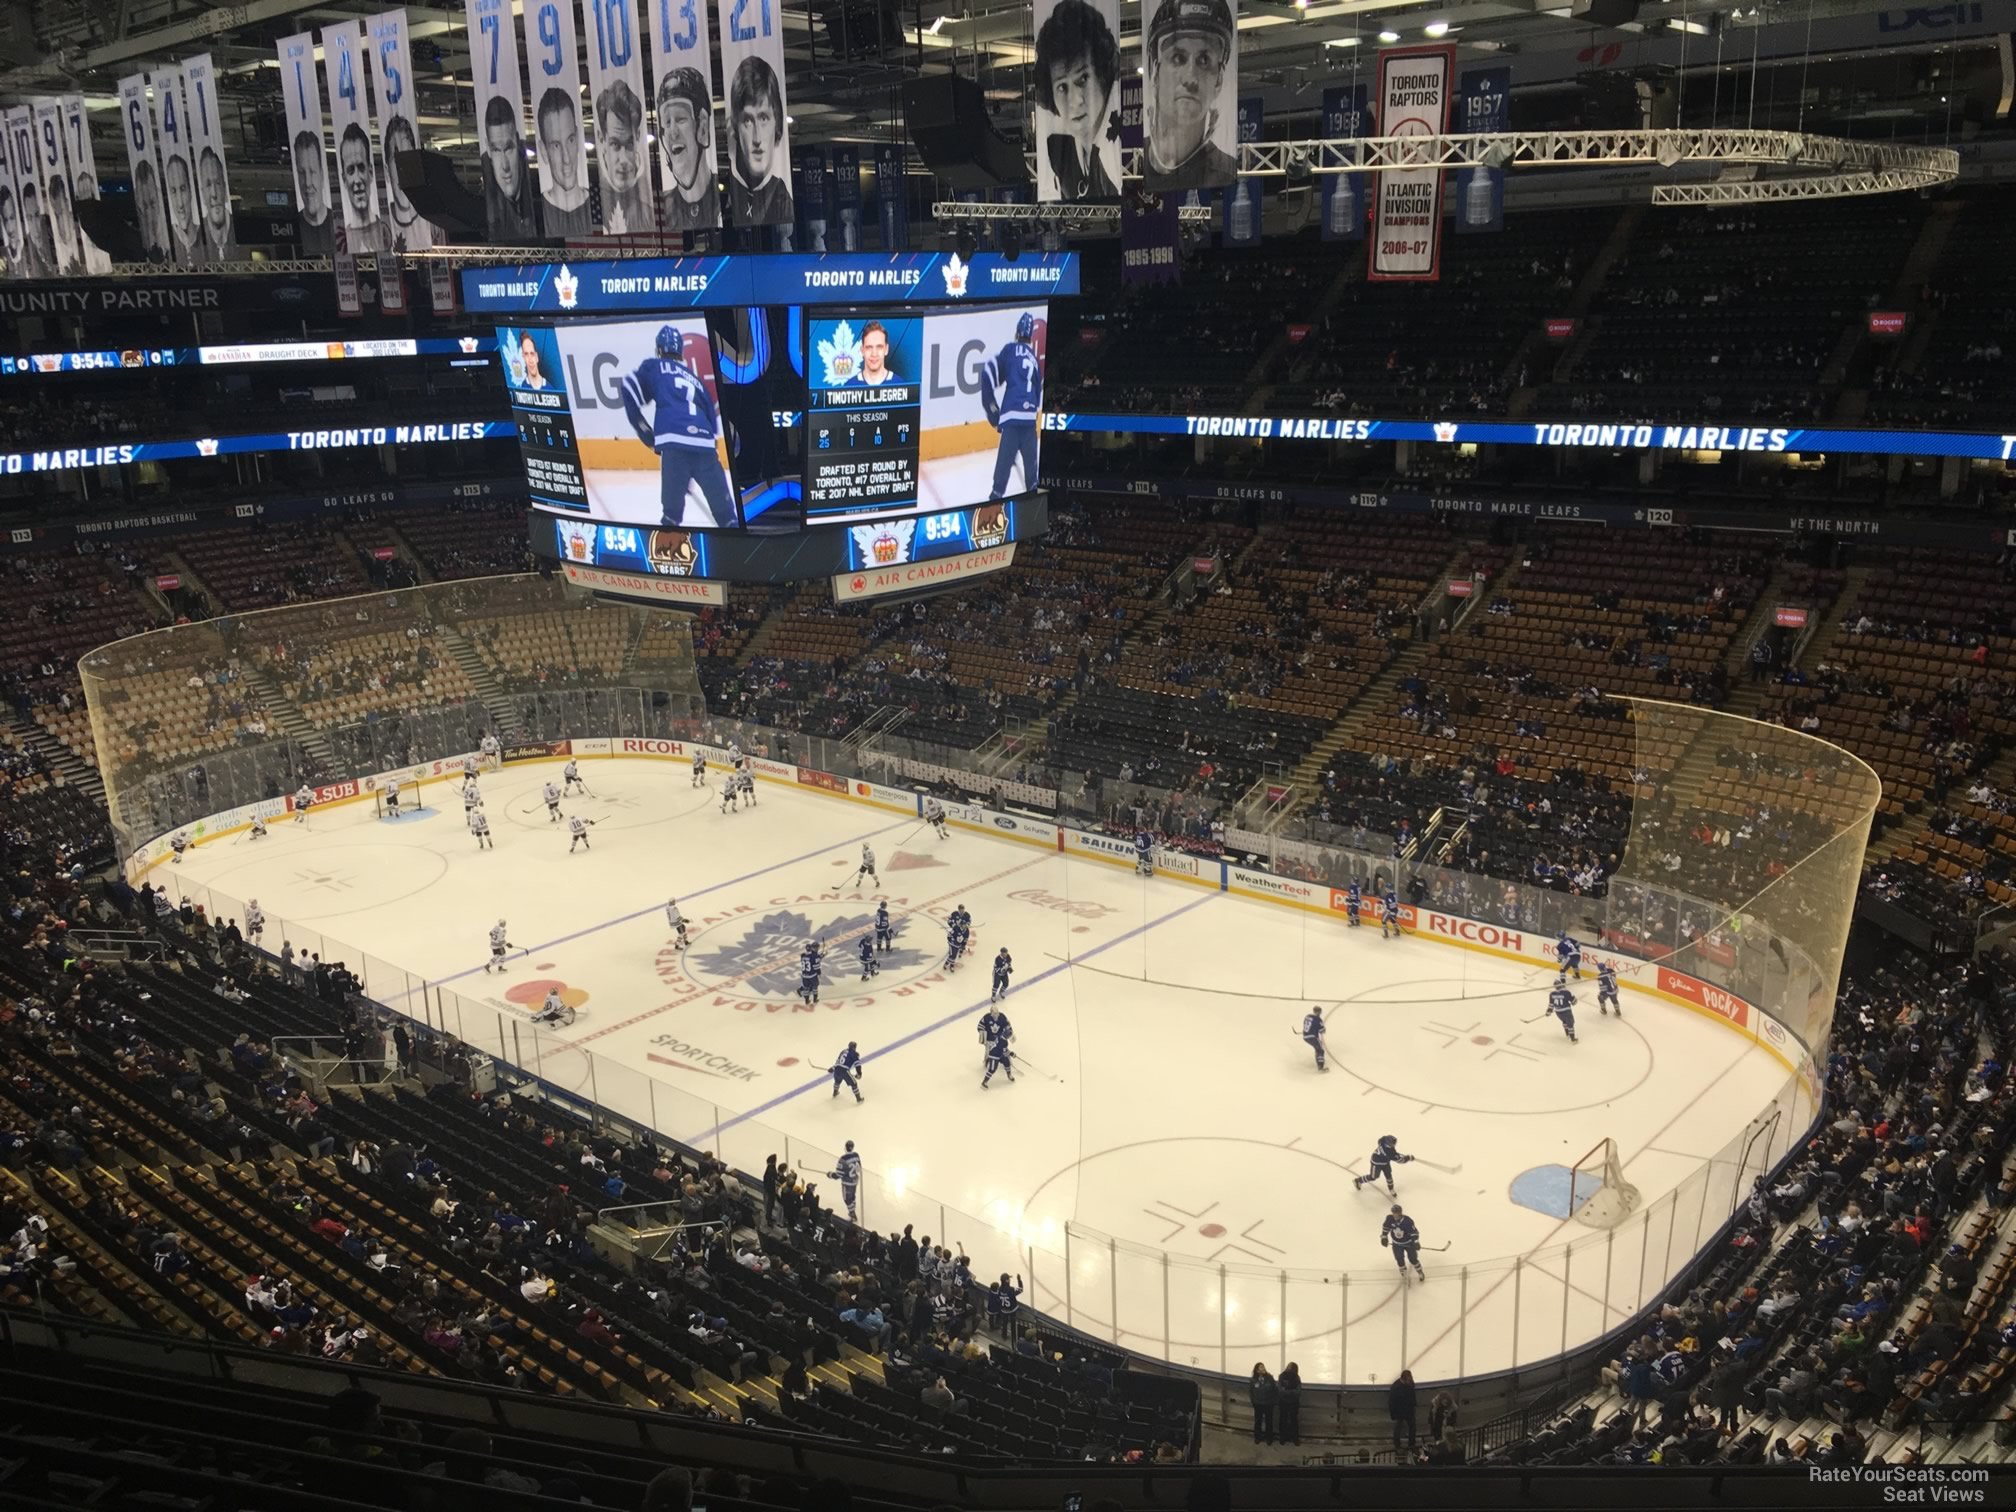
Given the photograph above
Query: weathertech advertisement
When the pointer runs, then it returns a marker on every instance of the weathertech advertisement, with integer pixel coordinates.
(1412, 98)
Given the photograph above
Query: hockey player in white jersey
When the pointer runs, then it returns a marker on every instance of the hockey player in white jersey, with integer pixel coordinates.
(472, 797)
(392, 798)
(731, 788)
(934, 815)
(551, 793)
(498, 945)
(304, 800)
(490, 750)
(479, 826)
(554, 1010)
(258, 827)
(676, 921)
(866, 868)
(746, 782)
(180, 845)
(570, 777)
(577, 833)
(469, 765)
(699, 770)
(255, 921)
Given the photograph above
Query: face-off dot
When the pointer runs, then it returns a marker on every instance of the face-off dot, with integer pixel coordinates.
(1211, 1230)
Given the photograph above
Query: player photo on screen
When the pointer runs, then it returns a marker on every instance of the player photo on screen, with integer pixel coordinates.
(647, 422)
(982, 405)
(1076, 90)
(871, 353)
(1190, 78)
(531, 358)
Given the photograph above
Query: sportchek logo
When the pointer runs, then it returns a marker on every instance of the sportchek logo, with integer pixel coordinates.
(650, 748)
(1723, 1004)
(671, 1050)
(1469, 931)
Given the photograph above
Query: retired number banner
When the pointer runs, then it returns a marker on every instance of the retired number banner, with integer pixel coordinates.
(356, 173)
(616, 95)
(1076, 93)
(759, 142)
(206, 143)
(1413, 99)
(689, 195)
(301, 97)
(148, 204)
(500, 118)
(554, 66)
(398, 127)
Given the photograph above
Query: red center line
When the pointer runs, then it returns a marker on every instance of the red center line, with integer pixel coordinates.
(726, 982)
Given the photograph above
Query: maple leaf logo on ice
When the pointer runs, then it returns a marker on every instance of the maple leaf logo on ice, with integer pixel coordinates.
(956, 272)
(839, 356)
(206, 447)
(764, 962)
(1445, 431)
(567, 286)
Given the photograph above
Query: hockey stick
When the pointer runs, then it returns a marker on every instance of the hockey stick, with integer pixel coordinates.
(1039, 1070)
(1434, 1165)
(1436, 1248)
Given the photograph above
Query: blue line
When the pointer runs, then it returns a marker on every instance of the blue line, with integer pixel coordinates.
(951, 1018)
(626, 918)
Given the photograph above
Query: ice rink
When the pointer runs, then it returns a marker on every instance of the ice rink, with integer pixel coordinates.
(1164, 1105)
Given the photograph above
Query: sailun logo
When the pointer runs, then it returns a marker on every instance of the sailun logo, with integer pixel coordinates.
(764, 960)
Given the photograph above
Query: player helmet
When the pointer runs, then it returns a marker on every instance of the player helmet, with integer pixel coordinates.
(670, 342)
(1025, 327)
(1396, 1207)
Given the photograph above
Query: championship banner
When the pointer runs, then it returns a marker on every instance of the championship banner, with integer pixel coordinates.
(19, 238)
(846, 211)
(1484, 105)
(555, 70)
(141, 162)
(1413, 99)
(1344, 115)
(1190, 68)
(500, 119)
(1244, 203)
(175, 136)
(1150, 239)
(441, 286)
(689, 195)
(616, 95)
(892, 206)
(52, 178)
(206, 143)
(356, 175)
(301, 99)
(398, 127)
(759, 139)
(349, 289)
(391, 283)
(1131, 135)
(808, 181)
(1076, 93)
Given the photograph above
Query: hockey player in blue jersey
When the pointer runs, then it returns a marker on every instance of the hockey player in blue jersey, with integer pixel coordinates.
(1561, 1003)
(1011, 391)
(962, 918)
(808, 974)
(848, 1174)
(885, 932)
(994, 1025)
(1400, 1232)
(1389, 915)
(955, 945)
(847, 1071)
(681, 430)
(1312, 1036)
(1354, 899)
(1144, 854)
(1385, 1155)
(999, 1058)
(1003, 965)
(1606, 988)
(1569, 953)
(869, 965)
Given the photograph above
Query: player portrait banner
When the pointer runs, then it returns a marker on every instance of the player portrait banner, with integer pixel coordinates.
(1190, 80)
(616, 101)
(137, 122)
(1076, 95)
(892, 204)
(20, 237)
(508, 209)
(1244, 203)
(356, 171)
(1413, 98)
(1484, 104)
(308, 152)
(52, 180)
(846, 210)
(1344, 116)
(215, 242)
(398, 122)
(553, 65)
(759, 139)
(175, 133)
(689, 196)
(1150, 239)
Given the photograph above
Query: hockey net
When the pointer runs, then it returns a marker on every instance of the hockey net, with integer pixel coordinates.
(416, 791)
(1598, 1194)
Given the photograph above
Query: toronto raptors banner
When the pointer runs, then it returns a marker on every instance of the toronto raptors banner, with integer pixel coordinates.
(1485, 105)
(759, 139)
(1413, 99)
(1190, 77)
(1149, 239)
(689, 196)
(206, 142)
(178, 164)
(1344, 116)
(1076, 94)
(553, 65)
(845, 232)
(356, 171)
(616, 100)
(52, 179)
(1243, 201)
(508, 208)
(892, 206)
(148, 205)
(398, 127)
(301, 99)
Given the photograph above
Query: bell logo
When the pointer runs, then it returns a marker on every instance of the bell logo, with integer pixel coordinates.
(567, 286)
(956, 272)
(1445, 431)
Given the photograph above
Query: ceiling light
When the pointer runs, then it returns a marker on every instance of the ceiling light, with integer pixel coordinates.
(933, 29)
(1342, 42)
(1389, 36)
(1437, 28)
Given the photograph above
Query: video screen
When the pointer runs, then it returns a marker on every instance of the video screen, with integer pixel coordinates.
(919, 414)
(621, 421)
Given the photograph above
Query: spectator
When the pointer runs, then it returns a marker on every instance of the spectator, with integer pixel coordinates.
(1400, 1408)
(1288, 1404)
(1264, 1394)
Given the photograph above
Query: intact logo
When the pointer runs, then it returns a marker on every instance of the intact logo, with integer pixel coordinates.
(759, 962)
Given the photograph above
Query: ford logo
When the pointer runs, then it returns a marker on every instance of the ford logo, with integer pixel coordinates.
(289, 294)
(1004, 823)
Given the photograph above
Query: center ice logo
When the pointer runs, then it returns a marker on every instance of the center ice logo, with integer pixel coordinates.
(764, 960)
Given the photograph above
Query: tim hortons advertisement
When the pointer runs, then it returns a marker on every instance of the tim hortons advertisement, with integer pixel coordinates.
(536, 750)
(1693, 990)
(825, 780)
